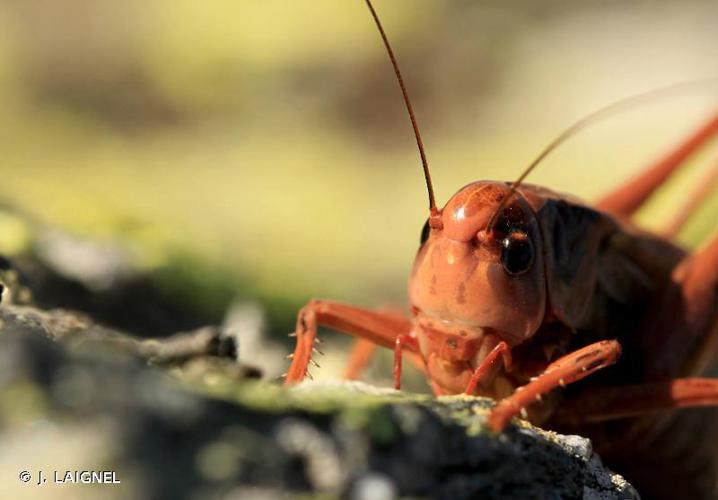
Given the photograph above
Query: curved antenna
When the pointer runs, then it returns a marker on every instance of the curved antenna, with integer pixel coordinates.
(594, 117)
(419, 143)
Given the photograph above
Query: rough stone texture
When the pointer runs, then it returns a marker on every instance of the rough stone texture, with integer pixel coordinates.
(78, 396)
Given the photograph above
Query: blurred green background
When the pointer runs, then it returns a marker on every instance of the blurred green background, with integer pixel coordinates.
(260, 149)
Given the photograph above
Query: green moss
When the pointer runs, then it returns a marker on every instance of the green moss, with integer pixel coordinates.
(274, 397)
(374, 418)
(378, 414)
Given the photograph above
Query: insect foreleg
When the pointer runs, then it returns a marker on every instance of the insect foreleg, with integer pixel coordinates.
(566, 370)
(381, 328)
(502, 349)
(403, 341)
(361, 355)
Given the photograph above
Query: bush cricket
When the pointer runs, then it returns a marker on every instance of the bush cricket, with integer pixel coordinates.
(564, 312)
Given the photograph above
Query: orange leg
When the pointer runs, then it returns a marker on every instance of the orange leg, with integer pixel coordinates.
(566, 370)
(699, 284)
(680, 335)
(607, 403)
(362, 353)
(693, 201)
(629, 197)
(359, 358)
(377, 327)
(502, 349)
(403, 341)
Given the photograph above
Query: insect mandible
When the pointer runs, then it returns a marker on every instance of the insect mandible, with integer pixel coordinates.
(564, 312)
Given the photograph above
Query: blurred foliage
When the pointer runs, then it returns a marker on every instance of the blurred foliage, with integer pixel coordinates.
(260, 148)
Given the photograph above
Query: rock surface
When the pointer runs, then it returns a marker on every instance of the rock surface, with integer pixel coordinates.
(178, 418)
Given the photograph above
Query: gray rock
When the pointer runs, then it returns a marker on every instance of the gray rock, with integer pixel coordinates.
(77, 395)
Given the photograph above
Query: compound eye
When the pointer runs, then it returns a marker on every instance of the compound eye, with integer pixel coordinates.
(517, 253)
(425, 232)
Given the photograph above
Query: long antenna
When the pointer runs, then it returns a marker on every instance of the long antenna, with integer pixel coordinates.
(419, 143)
(596, 116)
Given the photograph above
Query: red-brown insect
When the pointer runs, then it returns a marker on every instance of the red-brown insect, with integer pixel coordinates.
(517, 291)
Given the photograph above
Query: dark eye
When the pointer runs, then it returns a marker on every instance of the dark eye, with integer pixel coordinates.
(517, 253)
(425, 232)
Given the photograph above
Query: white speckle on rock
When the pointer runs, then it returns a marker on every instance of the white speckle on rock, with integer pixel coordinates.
(619, 481)
(345, 385)
(577, 445)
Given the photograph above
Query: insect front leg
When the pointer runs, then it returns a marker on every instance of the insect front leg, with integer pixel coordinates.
(501, 349)
(403, 341)
(361, 354)
(381, 328)
(566, 370)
